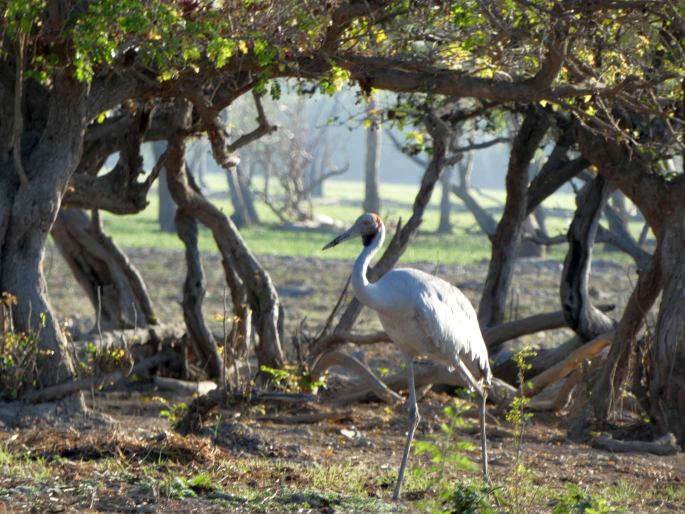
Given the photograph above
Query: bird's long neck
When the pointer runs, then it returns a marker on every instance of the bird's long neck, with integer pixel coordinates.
(363, 289)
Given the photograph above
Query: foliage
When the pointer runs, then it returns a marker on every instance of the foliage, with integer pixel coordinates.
(103, 360)
(577, 501)
(291, 379)
(521, 479)
(18, 353)
(446, 454)
(171, 411)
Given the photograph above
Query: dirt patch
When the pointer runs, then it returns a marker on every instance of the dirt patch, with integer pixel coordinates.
(264, 458)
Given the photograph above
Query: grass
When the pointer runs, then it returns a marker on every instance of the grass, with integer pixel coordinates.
(465, 245)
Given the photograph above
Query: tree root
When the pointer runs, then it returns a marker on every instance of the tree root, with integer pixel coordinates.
(665, 445)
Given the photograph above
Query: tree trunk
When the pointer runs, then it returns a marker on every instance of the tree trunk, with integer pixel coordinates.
(505, 241)
(260, 291)
(621, 361)
(374, 138)
(582, 317)
(445, 225)
(27, 214)
(244, 212)
(193, 295)
(667, 356)
(528, 247)
(167, 207)
(113, 285)
(486, 222)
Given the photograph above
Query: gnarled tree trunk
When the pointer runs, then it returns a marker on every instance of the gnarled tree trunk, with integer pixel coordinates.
(260, 291)
(193, 295)
(27, 212)
(113, 285)
(621, 361)
(582, 317)
(667, 356)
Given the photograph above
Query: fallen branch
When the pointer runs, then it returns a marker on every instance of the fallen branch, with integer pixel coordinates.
(424, 375)
(184, 386)
(556, 397)
(338, 338)
(665, 445)
(313, 417)
(371, 381)
(536, 323)
(563, 368)
(96, 382)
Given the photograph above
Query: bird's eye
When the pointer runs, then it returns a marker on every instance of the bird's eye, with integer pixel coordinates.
(365, 222)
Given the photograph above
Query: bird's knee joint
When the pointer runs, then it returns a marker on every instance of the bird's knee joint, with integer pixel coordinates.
(414, 416)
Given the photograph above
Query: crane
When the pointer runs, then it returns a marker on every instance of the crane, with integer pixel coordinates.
(424, 316)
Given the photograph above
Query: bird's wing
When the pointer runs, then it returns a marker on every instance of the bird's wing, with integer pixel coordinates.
(450, 322)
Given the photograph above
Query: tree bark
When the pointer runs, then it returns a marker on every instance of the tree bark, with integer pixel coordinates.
(27, 215)
(374, 139)
(505, 241)
(581, 316)
(621, 361)
(667, 356)
(113, 285)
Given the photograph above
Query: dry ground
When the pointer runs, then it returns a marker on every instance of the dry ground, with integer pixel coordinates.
(244, 460)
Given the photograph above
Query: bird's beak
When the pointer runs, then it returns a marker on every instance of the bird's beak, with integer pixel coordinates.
(342, 237)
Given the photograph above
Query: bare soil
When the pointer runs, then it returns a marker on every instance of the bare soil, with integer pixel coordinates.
(258, 459)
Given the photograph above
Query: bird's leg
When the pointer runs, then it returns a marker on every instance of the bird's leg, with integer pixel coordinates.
(414, 419)
(483, 393)
(483, 436)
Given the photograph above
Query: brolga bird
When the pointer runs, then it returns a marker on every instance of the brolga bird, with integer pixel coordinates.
(423, 315)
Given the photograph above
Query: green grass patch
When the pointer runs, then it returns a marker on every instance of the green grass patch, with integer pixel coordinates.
(465, 245)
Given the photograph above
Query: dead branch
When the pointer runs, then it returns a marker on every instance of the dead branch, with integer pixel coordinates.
(563, 368)
(338, 338)
(556, 396)
(313, 417)
(536, 323)
(66, 388)
(350, 362)
(665, 445)
(188, 387)
(425, 374)
(152, 335)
